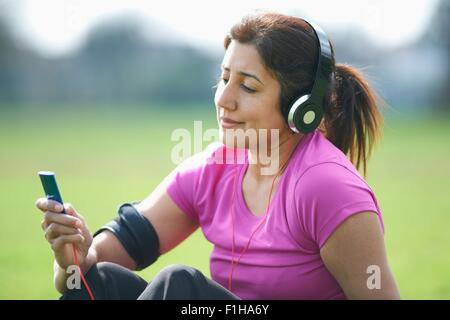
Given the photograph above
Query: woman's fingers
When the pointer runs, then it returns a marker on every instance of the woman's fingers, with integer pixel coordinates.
(45, 204)
(55, 230)
(84, 228)
(70, 219)
(63, 219)
(59, 242)
(70, 210)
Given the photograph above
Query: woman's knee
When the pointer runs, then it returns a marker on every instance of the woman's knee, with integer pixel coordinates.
(175, 281)
(181, 282)
(179, 272)
(106, 268)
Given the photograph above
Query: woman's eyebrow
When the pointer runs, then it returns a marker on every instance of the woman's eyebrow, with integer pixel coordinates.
(243, 73)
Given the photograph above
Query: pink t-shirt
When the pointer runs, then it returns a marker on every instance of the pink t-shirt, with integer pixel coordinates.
(319, 189)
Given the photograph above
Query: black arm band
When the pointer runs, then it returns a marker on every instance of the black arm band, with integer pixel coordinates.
(137, 235)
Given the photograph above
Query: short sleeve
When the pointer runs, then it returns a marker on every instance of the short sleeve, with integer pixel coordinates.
(183, 183)
(326, 195)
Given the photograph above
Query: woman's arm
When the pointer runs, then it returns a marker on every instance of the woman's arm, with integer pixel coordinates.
(171, 224)
(354, 254)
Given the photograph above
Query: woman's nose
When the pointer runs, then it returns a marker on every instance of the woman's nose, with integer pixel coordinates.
(225, 97)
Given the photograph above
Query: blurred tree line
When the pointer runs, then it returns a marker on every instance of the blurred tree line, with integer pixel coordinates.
(438, 35)
(116, 64)
(119, 63)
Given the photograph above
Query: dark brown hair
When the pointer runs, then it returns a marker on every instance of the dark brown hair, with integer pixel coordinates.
(289, 50)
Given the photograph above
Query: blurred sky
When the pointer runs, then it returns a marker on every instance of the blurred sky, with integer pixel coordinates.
(55, 27)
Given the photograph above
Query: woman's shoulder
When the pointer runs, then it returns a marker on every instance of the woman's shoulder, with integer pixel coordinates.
(207, 163)
(203, 158)
(319, 160)
(200, 173)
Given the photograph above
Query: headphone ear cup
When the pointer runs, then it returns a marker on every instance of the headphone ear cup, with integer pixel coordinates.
(306, 117)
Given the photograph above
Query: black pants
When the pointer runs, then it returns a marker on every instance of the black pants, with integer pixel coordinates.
(176, 282)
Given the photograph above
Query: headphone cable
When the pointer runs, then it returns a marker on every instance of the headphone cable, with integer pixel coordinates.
(233, 266)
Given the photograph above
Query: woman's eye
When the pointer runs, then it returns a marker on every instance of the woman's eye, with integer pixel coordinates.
(248, 89)
(225, 81)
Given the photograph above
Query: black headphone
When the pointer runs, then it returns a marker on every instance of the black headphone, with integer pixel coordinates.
(306, 112)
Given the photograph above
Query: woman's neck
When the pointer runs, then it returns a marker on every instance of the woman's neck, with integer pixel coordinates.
(275, 158)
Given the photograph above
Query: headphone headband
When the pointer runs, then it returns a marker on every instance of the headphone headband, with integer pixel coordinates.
(306, 111)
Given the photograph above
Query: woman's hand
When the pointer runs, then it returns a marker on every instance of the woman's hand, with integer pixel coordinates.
(63, 230)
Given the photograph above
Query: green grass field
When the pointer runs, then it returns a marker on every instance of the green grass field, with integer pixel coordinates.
(104, 158)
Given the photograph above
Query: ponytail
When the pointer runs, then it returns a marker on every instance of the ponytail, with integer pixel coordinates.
(352, 119)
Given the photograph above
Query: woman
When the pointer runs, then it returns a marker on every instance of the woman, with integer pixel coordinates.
(311, 229)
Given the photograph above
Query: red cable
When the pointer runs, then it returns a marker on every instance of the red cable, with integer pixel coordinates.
(260, 224)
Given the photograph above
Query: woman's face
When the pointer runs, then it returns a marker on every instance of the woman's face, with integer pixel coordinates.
(247, 93)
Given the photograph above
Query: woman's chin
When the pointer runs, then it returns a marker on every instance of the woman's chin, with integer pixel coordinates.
(232, 141)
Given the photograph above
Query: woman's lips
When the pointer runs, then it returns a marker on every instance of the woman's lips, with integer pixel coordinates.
(229, 123)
